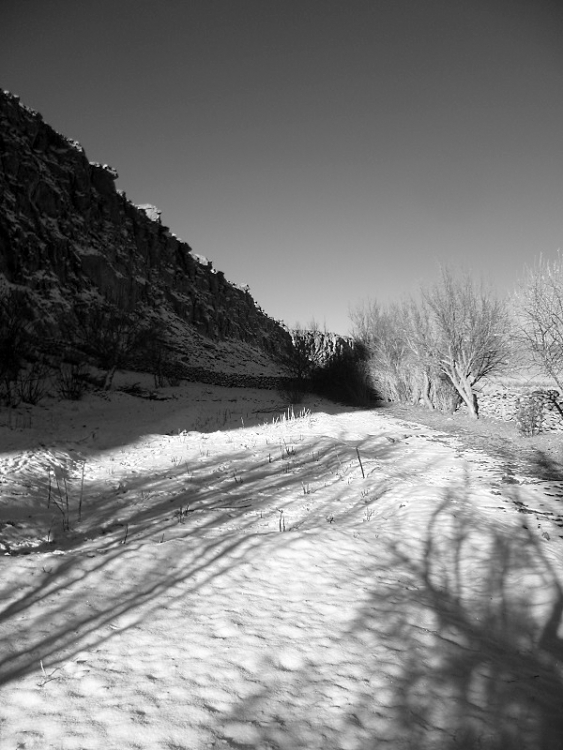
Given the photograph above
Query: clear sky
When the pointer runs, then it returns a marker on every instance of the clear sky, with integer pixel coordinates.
(321, 151)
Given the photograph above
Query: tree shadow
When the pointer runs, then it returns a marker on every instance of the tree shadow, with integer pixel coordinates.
(456, 645)
(545, 467)
(489, 436)
(452, 642)
(51, 491)
(197, 523)
(496, 660)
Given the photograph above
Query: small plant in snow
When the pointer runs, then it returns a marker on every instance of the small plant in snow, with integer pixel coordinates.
(60, 498)
(81, 497)
(70, 381)
(339, 461)
(289, 449)
(31, 383)
(58, 493)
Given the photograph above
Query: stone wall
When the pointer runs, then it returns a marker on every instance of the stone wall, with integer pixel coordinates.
(505, 404)
(234, 379)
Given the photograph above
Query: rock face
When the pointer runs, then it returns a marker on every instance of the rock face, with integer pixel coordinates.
(67, 233)
(322, 346)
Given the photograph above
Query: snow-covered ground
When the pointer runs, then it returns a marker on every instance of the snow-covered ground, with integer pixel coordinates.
(239, 576)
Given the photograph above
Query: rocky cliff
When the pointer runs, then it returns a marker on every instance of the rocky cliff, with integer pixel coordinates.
(322, 346)
(67, 234)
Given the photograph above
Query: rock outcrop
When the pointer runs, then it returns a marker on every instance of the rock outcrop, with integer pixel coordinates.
(67, 233)
(322, 346)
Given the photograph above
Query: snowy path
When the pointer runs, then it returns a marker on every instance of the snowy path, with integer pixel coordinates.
(259, 588)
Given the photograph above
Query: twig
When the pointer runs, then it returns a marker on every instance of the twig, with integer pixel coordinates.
(338, 457)
(61, 507)
(67, 509)
(81, 492)
(47, 677)
(360, 460)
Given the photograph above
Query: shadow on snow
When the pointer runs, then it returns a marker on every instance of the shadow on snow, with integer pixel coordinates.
(458, 648)
(198, 522)
(457, 636)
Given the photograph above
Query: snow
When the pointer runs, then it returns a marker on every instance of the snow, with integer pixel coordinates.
(238, 579)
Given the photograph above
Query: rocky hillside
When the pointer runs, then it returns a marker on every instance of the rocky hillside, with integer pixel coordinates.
(68, 235)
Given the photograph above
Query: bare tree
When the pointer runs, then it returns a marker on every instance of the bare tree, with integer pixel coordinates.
(382, 333)
(430, 384)
(539, 314)
(366, 321)
(464, 332)
(437, 348)
(107, 335)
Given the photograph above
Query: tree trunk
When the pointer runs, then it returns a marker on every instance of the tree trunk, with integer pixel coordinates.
(471, 402)
(465, 389)
(109, 378)
(426, 388)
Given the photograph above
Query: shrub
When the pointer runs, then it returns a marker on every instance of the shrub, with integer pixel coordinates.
(294, 393)
(17, 344)
(530, 414)
(112, 338)
(32, 382)
(71, 380)
(344, 378)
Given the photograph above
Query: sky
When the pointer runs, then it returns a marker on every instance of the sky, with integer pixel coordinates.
(323, 152)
